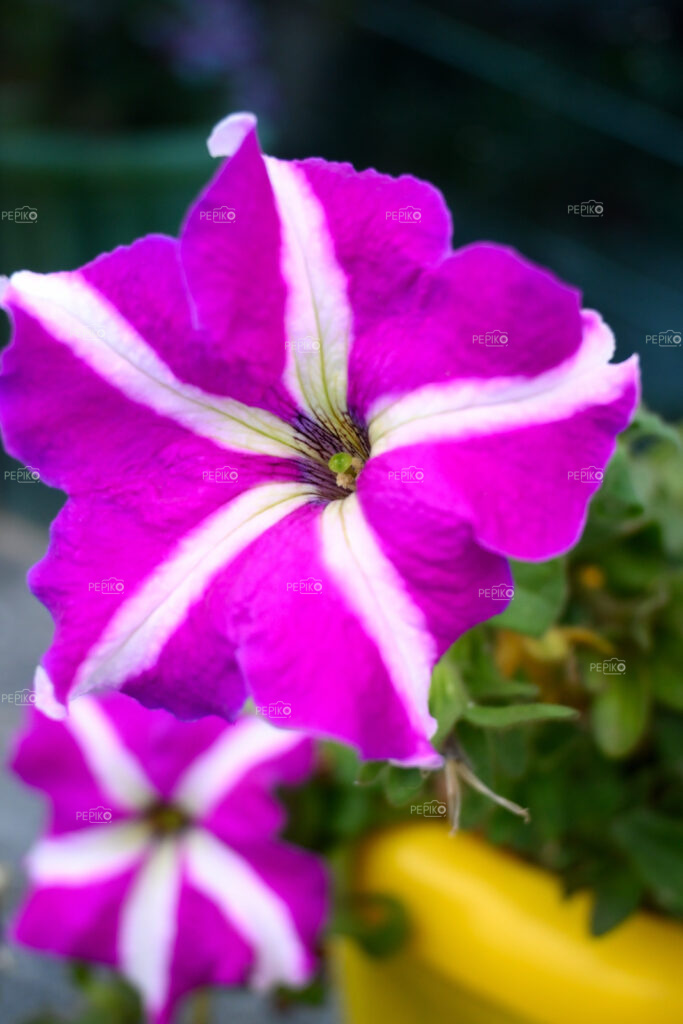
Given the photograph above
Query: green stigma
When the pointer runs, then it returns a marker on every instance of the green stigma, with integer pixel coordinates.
(340, 462)
(166, 819)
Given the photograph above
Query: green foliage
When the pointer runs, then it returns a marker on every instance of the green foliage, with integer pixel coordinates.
(620, 713)
(448, 697)
(515, 714)
(605, 791)
(653, 845)
(540, 593)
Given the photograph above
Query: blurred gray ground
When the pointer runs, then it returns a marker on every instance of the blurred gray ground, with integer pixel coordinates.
(30, 983)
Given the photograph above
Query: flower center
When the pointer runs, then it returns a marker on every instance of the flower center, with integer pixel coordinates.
(333, 453)
(165, 819)
(346, 469)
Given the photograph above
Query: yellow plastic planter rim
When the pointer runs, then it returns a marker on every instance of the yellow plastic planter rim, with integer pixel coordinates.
(498, 929)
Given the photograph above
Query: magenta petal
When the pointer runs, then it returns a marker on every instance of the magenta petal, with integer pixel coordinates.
(435, 330)
(453, 579)
(296, 629)
(230, 251)
(208, 950)
(88, 919)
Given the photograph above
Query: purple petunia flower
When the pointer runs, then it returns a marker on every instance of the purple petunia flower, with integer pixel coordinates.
(300, 445)
(160, 858)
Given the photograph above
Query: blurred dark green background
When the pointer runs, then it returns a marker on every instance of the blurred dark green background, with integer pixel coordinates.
(514, 109)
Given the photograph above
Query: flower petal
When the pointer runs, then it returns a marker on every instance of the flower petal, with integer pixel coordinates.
(156, 739)
(452, 580)
(324, 626)
(318, 322)
(241, 752)
(149, 926)
(48, 757)
(89, 855)
(248, 902)
(133, 442)
(78, 922)
(516, 464)
(78, 316)
(142, 626)
(301, 336)
(230, 246)
(119, 773)
(208, 949)
(445, 328)
(383, 231)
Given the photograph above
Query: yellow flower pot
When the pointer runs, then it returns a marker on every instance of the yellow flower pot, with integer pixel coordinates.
(494, 942)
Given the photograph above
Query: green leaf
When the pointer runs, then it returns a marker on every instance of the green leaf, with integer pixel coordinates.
(621, 712)
(516, 714)
(370, 772)
(344, 761)
(511, 751)
(540, 594)
(668, 732)
(647, 424)
(473, 656)
(617, 896)
(377, 922)
(351, 812)
(616, 501)
(654, 845)
(667, 678)
(546, 798)
(401, 784)
(447, 697)
(500, 688)
(635, 562)
(617, 491)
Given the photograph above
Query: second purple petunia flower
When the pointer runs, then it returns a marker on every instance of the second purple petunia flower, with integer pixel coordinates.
(300, 445)
(161, 858)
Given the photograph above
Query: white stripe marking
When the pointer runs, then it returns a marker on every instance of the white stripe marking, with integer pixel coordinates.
(377, 595)
(149, 924)
(89, 855)
(140, 628)
(116, 769)
(259, 914)
(46, 701)
(221, 767)
(80, 317)
(472, 408)
(318, 318)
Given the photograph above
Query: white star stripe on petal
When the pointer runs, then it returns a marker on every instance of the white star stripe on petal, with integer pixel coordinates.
(143, 623)
(88, 855)
(114, 766)
(318, 315)
(470, 408)
(258, 913)
(377, 595)
(219, 768)
(149, 924)
(80, 317)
